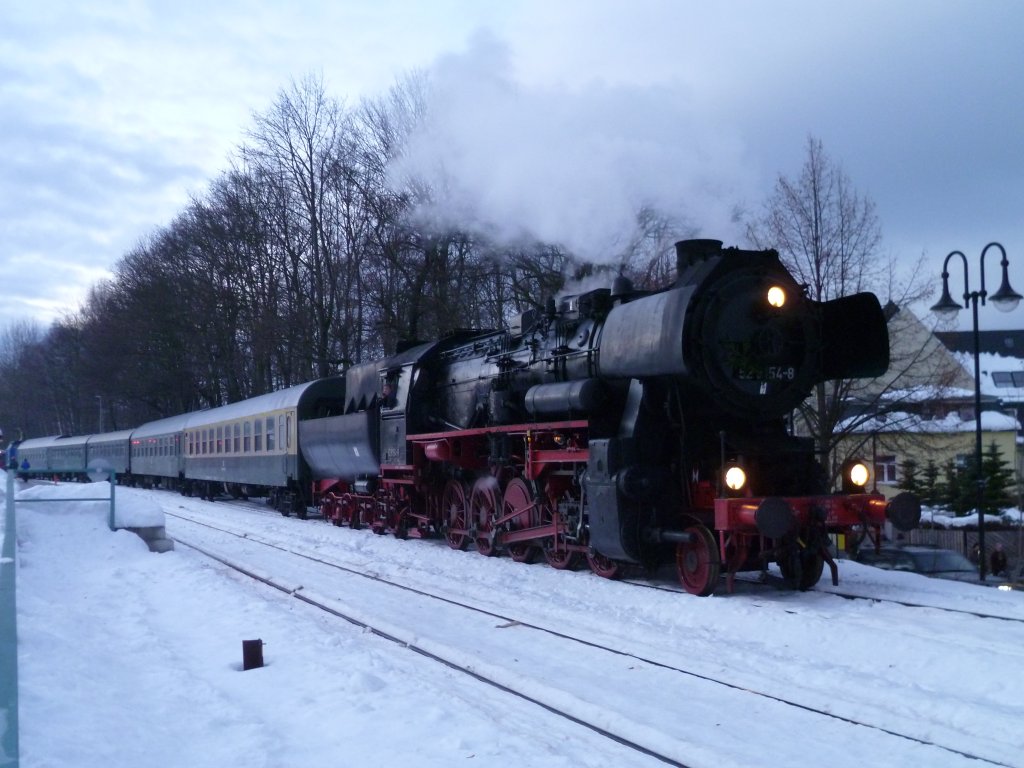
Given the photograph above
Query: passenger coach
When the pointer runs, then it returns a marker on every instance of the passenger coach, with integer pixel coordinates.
(36, 451)
(110, 450)
(156, 453)
(251, 448)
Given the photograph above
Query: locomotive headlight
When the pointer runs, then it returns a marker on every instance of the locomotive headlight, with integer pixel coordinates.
(855, 476)
(776, 296)
(859, 474)
(735, 478)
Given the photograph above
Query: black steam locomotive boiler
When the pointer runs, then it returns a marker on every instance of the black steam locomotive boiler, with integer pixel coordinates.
(619, 426)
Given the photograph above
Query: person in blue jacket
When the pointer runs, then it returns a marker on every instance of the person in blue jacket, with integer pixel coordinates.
(12, 451)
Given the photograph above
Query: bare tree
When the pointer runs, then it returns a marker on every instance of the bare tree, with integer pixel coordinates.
(21, 407)
(297, 142)
(829, 237)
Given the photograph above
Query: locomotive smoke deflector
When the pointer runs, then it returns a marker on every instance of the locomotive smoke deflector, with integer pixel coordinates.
(855, 338)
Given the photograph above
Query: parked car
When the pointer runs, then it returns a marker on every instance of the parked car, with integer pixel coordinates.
(937, 563)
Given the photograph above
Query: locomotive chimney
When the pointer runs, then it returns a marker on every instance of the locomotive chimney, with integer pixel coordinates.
(690, 252)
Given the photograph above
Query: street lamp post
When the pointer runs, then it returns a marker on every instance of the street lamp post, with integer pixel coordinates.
(1005, 300)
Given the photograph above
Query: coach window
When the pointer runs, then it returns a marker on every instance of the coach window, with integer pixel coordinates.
(246, 436)
(270, 434)
(220, 439)
(238, 438)
(257, 442)
(288, 431)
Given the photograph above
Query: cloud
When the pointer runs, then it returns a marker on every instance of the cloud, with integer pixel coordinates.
(570, 166)
(113, 111)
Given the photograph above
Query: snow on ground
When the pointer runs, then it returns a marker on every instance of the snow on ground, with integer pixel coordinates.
(129, 658)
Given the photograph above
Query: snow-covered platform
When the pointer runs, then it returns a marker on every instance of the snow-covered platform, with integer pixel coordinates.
(144, 518)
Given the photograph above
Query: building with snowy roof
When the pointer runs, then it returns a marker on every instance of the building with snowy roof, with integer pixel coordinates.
(924, 407)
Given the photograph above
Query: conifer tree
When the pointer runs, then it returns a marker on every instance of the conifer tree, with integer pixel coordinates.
(953, 494)
(999, 487)
(910, 482)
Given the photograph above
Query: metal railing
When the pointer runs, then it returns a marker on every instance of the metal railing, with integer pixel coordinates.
(9, 637)
(9, 750)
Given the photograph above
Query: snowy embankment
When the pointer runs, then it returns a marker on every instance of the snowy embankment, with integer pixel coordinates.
(131, 658)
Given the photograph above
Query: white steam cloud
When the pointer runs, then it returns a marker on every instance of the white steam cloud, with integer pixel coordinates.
(569, 167)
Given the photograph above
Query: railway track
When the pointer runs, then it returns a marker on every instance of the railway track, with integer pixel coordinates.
(407, 640)
(775, 583)
(682, 678)
(769, 583)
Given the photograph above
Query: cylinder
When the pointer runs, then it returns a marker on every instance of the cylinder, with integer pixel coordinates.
(565, 397)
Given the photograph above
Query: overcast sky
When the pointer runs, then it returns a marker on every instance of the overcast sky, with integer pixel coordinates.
(113, 112)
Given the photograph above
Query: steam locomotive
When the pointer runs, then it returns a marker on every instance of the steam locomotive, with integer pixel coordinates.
(619, 426)
(624, 427)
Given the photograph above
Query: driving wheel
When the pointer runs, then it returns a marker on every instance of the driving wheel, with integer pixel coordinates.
(455, 514)
(519, 507)
(483, 505)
